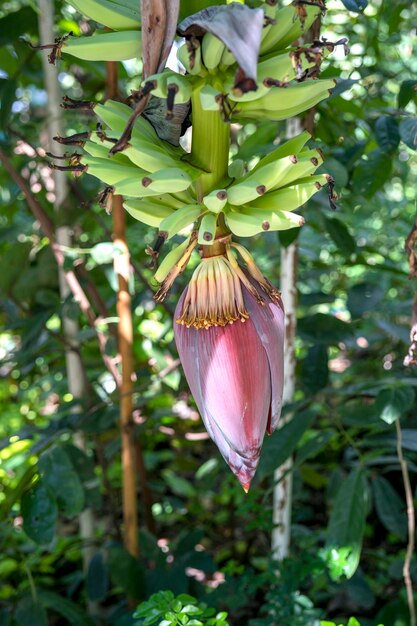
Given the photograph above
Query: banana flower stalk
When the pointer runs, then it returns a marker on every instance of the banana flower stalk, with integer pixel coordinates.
(230, 339)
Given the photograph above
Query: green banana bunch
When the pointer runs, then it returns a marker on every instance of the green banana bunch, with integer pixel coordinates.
(283, 102)
(273, 210)
(279, 68)
(115, 14)
(105, 46)
(291, 23)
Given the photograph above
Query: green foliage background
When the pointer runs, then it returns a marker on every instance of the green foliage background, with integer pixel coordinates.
(205, 536)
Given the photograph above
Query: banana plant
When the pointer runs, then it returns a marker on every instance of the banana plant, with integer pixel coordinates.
(239, 64)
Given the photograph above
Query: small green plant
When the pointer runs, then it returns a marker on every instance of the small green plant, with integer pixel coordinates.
(352, 622)
(164, 609)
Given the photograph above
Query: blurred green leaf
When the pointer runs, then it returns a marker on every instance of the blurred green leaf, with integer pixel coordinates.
(390, 507)
(347, 524)
(340, 234)
(40, 513)
(59, 475)
(394, 402)
(408, 132)
(282, 443)
(324, 329)
(387, 133)
(30, 612)
(408, 91)
(315, 369)
(97, 581)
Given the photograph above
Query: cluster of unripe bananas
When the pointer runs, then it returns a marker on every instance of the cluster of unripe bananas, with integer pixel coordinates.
(156, 178)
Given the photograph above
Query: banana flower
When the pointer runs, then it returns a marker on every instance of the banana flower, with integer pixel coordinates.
(230, 339)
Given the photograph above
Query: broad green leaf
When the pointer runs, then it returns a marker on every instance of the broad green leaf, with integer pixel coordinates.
(179, 485)
(7, 97)
(387, 133)
(39, 512)
(126, 572)
(14, 25)
(70, 611)
(408, 132)
(287, 237)
(313, 446)
(394, 402)
(315, 369)
(356, 6)
(59, 475)
(390, 507)
(282, 443)
(408, 91)
(324, 329)
(340, 234)
(347, 524)
(336, 169)
(372, 172)
(30, 612)
(364, 297)
(97, 581)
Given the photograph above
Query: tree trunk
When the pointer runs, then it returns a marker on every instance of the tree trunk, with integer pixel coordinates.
(75, 370)
(282, 496)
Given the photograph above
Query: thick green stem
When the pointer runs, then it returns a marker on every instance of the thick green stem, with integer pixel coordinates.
(210, 147)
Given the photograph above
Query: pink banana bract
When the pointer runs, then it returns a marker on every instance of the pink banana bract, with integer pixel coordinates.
(235, 370)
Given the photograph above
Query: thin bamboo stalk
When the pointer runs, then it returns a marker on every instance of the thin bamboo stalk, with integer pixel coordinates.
(125, 343)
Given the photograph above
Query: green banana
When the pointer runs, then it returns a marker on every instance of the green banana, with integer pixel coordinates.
(98, 150)
(142, 153)
(147, 211)
(288, 28)
(291, 197)
(249, 224)
(191, 61)
(255, 184)
(171, 179)
(215, 200)
(304, 167)
(227, 58)
(280, 103)
(209, 98)
(207, 230)
(212, 49)
(111, 172)
(180, 219)
(245, 190)
(115, 14)
(292, 146)
(108, 46)
(172, 258)
(148, 156)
